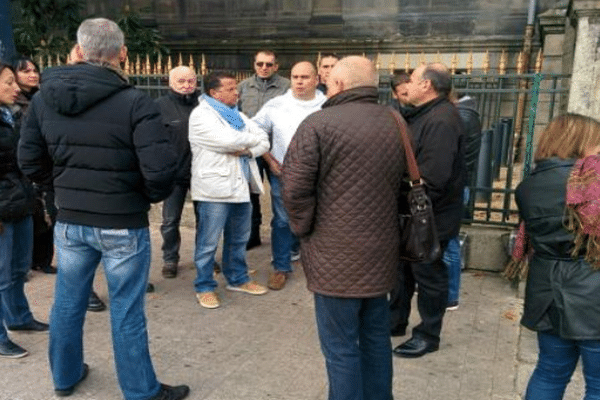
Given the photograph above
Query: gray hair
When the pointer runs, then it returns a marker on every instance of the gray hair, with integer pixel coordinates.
(100, 39)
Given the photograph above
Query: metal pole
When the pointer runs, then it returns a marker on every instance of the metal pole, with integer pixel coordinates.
(7, 43)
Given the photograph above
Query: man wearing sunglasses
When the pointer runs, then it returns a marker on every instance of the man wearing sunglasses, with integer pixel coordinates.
(254, 92)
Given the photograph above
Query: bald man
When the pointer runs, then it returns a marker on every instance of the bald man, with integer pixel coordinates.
(341, 186)
(438, 134)
(280, 118)
(176, 107)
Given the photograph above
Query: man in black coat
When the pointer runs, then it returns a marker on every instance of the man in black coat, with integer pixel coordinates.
(438, 137)
(175, 108)
(102, 144)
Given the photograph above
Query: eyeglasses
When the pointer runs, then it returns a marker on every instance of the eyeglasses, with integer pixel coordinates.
(260, 64)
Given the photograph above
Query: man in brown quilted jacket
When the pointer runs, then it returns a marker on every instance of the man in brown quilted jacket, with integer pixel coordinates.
(341, 186)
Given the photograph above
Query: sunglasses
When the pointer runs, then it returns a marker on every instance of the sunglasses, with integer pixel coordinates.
(260, 64)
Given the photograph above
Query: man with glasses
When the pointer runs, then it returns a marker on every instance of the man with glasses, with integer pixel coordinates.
(254, 92)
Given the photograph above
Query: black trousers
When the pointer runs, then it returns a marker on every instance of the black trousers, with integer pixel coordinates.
(432, 286)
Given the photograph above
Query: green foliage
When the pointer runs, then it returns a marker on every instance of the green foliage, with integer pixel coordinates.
(49, 28)
(141, 40)
(45, 27)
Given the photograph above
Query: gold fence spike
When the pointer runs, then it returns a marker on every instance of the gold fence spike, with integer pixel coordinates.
(470, 63)
(407, 63)
(392, 63)
(203, 69)
(147, 65)
(160, 66)
(454, 63)
(486, 62)
(191, 62)
(503, 62)
(136, 69)
(169, 64)
(378, 61)
(180, 63)
(318, 58)
(58, 60)
(126, 66)
(539, 61)
(520, 63)
(41, 61)
(49, 61)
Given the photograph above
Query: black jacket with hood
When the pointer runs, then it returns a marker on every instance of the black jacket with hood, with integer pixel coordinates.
(101, 142)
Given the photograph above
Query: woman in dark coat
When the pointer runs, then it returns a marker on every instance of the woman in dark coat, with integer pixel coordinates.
(16, 228)
(557, 204)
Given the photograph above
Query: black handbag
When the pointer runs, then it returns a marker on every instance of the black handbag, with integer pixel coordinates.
(418, 234)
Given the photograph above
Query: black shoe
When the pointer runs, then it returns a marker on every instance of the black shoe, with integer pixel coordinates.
(94, 303)
(150, 288)
(31, 326)
(253, 242)
(167, 392)
(398, 331)
(415, 347)
(69, 391)
(169, 270)
(12, 350)
(49, 269)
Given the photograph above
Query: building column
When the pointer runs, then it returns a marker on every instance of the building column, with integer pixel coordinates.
(584, 95)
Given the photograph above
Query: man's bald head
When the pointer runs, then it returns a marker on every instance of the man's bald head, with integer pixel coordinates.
(183, 80)
(351, 72)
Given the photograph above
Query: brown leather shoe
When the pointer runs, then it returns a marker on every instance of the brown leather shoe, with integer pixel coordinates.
(277, 280)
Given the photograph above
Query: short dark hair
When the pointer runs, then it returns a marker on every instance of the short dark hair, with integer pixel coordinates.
(20, 63)
(213, 80)
(440, 80)
(327, 55)
(3, 66)
(399, 80)
(267, 52)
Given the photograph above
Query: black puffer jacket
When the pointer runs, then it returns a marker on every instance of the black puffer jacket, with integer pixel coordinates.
(439, 139)
(175, 109)
(103, 143)
(562, 295)
(16, 193)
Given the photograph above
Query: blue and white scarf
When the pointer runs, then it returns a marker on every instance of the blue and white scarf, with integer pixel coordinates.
(231, 114)
(7, 116)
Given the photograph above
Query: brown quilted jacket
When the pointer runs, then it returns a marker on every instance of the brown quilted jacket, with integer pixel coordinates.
(341, 186)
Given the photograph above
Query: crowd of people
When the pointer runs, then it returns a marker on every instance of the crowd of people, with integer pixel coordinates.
(83, 159)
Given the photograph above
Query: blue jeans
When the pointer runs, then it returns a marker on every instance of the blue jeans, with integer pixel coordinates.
(233, 221)
(125, 254)
(451, 258)
(556, 363)
(169, 229)
(355, 340)
(283, 241)
(16, 243)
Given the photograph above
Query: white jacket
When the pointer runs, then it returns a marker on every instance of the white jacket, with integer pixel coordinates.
(281, 116)
(217, 175)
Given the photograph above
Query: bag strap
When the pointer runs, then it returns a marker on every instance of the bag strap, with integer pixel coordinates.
(413, 170)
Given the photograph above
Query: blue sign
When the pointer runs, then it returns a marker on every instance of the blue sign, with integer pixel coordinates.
(7, 43)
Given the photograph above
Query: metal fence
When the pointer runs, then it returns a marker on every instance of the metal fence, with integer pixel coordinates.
(513, 108)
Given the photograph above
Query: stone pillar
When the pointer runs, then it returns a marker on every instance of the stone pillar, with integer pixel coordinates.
(584, 95)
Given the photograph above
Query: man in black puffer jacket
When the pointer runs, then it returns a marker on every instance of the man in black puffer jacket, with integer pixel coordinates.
(175, 108)
(102, 143)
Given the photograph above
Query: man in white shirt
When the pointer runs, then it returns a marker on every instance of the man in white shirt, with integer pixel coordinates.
(280, 117)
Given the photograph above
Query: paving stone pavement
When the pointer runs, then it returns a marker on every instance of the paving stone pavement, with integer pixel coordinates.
(266, 347)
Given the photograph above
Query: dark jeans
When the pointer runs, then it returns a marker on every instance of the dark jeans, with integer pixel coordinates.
(432, 281)
(354, 336)
(556, 362)
(171, 213)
